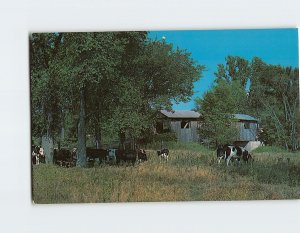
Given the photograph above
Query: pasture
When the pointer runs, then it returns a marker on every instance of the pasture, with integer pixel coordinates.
(191, 174)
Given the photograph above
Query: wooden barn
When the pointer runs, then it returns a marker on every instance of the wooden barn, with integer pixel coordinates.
(184, 123)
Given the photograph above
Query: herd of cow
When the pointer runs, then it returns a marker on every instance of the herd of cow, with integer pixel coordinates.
(68, 158)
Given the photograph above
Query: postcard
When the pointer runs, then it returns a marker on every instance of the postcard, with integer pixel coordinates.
(159, 116)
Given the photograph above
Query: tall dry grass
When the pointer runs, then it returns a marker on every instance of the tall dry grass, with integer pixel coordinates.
(190, 175)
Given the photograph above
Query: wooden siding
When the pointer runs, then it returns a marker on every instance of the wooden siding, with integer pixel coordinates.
(185, 135)
(249, 134)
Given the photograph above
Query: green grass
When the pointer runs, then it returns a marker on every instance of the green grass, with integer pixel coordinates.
(189, 146)
(269, 149)
(192, 174)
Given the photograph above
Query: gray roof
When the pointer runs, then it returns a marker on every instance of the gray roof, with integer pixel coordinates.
(180, 114)
(244, 117)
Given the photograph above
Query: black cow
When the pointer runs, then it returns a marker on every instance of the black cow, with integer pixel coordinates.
(126, 156)
(93, 154)
(64, 157)
(163, 154)
(243, 154)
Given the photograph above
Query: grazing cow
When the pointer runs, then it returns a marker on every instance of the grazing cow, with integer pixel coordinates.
(243, 154)
(142, 156)
(126, 156)
(226, 152)
(246, 156)
(93, 154)
(229, 152)
(163, 154)
(37, 155)
(42, 155)
(221, 153)
(63, 157)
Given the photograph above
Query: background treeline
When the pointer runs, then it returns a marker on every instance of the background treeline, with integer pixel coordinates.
(268, 92)
(108, 85)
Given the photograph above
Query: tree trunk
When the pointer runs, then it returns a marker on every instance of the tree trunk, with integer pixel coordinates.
(47, 144)
(97, 135)
(47, 141)
(81, 161)
(122, 138)
(62, 134)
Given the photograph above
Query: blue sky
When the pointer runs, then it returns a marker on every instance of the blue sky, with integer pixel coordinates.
(210, 47)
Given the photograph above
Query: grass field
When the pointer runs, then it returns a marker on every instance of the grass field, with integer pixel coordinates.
(192, 174)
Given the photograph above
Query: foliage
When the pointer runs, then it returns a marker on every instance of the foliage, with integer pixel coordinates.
(268, 92)
(274, 98)
(164, 137)
(45, 91)
(237, 69)
(217, 108)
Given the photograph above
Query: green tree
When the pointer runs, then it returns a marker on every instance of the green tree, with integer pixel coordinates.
(45, 91)
(236, 68)
(274, 98)
(109, 82)
(217, 108)
(89, 66)
(150, 80)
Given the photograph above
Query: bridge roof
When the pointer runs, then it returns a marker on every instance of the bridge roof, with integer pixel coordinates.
(244, 117)
(181, 114)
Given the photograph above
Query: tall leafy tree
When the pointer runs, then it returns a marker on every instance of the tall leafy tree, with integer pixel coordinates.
(155, 76)
(217, 108)
(45, 92)
(236, 68)
(274, 97)
(90, 67)
(109, 82)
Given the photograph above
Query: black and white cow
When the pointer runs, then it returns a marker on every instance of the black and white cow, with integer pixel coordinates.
(221, 153)
(37, 155)
(163, 154)
(230, 152)
(142, 156)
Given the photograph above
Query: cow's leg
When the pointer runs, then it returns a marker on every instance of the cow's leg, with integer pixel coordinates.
(220, 158)
(228, 159)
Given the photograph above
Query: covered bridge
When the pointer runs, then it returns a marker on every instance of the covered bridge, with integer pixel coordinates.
(184, 123)
(248, 129)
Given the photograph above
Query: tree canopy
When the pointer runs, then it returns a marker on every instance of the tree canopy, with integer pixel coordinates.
(104, 82)
(268, 92)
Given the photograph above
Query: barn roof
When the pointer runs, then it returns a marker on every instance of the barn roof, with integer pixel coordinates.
(244, 117)
(180, 114)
